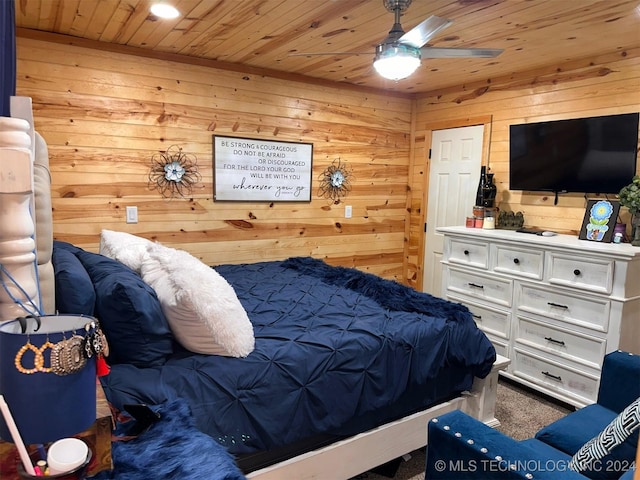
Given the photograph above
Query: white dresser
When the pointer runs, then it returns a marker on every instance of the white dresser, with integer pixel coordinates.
(554, 305)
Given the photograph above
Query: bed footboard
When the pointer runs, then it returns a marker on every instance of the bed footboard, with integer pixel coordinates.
(367, 450)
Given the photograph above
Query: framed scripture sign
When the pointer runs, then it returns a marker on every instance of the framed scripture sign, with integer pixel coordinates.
(250, 170)
(599, 220)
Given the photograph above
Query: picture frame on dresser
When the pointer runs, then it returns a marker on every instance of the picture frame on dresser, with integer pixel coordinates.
(599, 220)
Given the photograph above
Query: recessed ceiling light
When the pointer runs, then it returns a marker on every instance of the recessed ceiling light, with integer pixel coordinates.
(164, 10)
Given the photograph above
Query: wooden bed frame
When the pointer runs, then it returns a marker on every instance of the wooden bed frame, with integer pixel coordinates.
(367, 450)
(345, 458)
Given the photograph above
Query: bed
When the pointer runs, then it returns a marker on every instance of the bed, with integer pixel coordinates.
(344, 368)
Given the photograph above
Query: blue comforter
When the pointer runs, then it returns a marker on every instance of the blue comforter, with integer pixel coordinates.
(337, 352)
(325, 355)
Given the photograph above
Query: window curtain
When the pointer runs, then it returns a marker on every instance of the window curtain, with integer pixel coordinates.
(7, 55)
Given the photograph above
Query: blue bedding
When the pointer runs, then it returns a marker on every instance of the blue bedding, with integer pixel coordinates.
(337, 352)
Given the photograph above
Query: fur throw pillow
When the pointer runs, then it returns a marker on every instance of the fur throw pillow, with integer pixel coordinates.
(201, 307)
(127, 249)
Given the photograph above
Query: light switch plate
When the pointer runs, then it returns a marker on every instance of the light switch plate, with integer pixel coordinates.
(132, 214)
(348, 211)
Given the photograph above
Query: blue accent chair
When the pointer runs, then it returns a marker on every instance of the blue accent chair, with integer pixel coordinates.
(461, 447)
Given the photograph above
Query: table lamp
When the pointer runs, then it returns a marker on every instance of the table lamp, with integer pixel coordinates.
(48, 376)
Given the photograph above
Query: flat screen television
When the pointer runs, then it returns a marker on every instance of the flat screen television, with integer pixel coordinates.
(591, 155)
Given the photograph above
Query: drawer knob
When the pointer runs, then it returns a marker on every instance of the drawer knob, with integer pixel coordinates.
(475, 285)
(466, 252)
(553, 340)
(577, 272)
(516, 261)
(555, 377)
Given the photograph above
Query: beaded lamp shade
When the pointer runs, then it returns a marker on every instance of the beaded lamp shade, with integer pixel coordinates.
(47, 377)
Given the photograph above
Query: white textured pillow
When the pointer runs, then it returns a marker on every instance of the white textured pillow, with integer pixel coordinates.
(127, 249)
(201, 307)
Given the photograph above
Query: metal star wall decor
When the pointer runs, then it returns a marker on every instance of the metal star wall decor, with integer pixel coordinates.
(173, 172)
(335, 181)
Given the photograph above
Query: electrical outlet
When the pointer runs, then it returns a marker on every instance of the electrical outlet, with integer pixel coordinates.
(347, 211)
(132, 214)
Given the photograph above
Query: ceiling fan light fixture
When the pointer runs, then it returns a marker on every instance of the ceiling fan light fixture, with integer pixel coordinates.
(164, 10)
(395, 61)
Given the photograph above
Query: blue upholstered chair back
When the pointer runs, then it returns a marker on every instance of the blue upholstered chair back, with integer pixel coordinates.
(620, 380)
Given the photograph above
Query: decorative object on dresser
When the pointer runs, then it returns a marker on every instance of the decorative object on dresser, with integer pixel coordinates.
(484, 211)
(635, 227)
(486, 193)
(510, 220)
(478, 216)
(481, 182)
(599, 220)
(554, 305)
(489, 191)
(490, 214)
(630, 198)
(620, 233)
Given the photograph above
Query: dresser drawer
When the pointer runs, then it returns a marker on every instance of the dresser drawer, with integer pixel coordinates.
(492, 289)
(466, 252)
(560, 341)
(517, 261)
(591, 274)
(554, 376)
(583, 310)
(490, 320)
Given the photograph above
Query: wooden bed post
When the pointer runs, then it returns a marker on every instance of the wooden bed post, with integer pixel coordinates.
(481, 401)
(17, 244)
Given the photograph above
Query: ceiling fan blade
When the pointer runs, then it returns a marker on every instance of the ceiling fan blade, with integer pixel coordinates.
(309, 54)
(437, 52)
(421, 33)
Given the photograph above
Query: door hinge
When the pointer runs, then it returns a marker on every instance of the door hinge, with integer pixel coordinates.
(425, 227)
(429, 154)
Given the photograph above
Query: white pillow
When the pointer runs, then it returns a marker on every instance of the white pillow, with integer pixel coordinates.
(201, 307)
(127, 249)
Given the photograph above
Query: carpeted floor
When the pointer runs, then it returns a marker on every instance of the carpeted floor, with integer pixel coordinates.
(521, 412)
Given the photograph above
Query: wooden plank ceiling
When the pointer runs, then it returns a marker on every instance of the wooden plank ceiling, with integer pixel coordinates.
(262, 34)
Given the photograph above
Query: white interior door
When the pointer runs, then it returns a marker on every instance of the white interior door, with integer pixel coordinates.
(456, 156)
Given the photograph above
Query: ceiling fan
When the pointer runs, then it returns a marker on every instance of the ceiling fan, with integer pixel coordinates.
(399, 55)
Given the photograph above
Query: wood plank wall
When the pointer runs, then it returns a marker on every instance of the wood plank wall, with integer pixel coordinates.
(599, 86)
(104, 115)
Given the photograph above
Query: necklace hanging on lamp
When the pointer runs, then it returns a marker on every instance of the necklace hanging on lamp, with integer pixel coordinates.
(335, 181)
(173, 172)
